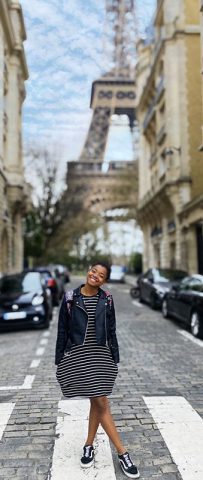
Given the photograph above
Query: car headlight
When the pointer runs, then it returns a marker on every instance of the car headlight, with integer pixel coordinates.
(37, 300)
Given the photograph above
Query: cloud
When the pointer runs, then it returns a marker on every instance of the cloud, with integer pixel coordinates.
(64, 51)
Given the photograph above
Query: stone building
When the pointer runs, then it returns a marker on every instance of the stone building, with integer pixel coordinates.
(201, 31)
(13, 189)
(169, 110)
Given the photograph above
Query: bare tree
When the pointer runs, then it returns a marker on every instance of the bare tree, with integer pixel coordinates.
(58, 219)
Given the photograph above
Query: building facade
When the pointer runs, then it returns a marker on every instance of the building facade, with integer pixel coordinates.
(169, 110)
(13, 193)
(201, 32)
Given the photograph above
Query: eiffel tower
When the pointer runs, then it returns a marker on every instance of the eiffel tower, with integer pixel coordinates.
(113, 93)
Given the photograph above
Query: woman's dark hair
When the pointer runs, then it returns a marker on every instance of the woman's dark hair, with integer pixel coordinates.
(105, 265)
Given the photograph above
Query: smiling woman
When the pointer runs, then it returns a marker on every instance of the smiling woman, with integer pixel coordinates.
(87, 354)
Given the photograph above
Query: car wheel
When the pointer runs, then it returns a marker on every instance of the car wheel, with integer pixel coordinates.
(46, 323)
(134, 292)
(165, 308)
(153, 302)
(195, 325)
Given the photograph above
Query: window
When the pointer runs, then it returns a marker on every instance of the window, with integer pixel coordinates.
(196, 285)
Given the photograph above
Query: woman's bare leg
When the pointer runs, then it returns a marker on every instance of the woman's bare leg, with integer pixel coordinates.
(93, 422)
(100, 413)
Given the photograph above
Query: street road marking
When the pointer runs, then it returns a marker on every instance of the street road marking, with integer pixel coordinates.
(190, 337)
(35, 363)
(71, 429)
(43, 341)
(5, 413)
(46, 334)
(40, 351)
(124, 290)
(27, 384)
(182, 430)
(137, 304)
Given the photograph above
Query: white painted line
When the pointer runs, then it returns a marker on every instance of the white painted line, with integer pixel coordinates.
(5, 413)
(43, 341)
(124, 290)
(182, 430)
(71, 429)
(27, 384)
(35, 363)
(190, 337)
(137, 304)
(40, 351)
(46, 334)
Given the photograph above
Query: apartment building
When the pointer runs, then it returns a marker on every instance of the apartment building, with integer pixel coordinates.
(169, 111)
(13, 189)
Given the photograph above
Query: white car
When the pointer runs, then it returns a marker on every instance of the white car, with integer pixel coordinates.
(117, 274)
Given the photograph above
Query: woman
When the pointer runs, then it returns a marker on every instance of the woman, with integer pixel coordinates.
(87, 355)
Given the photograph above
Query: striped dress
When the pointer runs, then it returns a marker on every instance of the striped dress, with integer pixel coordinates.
(88, 370)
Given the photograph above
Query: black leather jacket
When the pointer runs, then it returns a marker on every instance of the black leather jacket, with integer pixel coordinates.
(72, 326)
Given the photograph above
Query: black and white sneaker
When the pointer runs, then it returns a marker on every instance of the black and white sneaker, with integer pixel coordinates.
(88, 456)
(128, 466)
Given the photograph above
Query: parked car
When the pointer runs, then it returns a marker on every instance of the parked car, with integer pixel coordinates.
(51, 282)
(63, 272)
(24, 301)
(156, 282)
(185, 303)
(117, 273)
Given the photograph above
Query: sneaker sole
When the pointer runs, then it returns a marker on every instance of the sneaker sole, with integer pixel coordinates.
(130, 475)
(87, 465)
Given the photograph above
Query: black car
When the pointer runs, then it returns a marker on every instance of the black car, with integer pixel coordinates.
(51, 282)
(24, 301)
(63, 272)
(185, 303)
(156, 282)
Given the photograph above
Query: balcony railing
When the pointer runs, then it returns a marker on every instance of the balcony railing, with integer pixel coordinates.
(150, 112)
(161, 135)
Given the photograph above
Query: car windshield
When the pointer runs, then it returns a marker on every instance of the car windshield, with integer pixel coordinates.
(165, 275)
(30, 282)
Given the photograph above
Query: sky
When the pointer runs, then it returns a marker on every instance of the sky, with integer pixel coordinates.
(65, 54)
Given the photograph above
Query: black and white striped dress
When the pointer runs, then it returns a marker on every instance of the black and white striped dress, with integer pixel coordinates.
(88, 370)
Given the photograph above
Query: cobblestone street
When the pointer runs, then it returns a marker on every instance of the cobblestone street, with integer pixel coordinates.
(157, 360)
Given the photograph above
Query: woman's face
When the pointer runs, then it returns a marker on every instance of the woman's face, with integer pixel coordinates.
(96, 276)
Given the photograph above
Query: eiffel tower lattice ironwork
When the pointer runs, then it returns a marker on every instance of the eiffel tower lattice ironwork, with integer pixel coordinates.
(113, 93)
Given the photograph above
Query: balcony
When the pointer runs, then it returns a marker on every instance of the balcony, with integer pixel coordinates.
(161, 135)
(149, 116)
(151, 110)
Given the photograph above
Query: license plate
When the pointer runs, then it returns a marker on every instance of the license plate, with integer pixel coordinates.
(14, 315)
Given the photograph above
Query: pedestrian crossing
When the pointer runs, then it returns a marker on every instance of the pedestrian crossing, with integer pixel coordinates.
(5, 413)
(71, 432)
(179, 424)
(182, 430)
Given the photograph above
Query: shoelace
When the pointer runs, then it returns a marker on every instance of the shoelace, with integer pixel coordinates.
(87, 451)
(128, 460)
